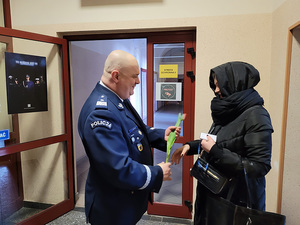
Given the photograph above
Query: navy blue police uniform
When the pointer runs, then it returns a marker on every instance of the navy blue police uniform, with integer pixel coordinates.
(118, 145)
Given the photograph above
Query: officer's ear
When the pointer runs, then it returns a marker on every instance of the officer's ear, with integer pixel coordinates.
(115, 76)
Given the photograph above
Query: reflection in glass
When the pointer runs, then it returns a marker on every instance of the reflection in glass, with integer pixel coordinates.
(168, 78)
(32, 181)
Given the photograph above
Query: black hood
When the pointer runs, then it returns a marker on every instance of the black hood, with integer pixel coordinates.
(234, 77)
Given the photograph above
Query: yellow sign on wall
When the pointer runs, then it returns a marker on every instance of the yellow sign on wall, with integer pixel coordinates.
(168, 71)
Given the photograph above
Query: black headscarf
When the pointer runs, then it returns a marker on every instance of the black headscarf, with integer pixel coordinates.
(236, 81)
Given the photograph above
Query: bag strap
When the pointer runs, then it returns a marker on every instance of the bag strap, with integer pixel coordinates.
(232, 187)
(199, 156)
(249, 200)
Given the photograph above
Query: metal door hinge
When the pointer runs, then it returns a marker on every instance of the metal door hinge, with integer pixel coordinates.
(191, 75)
(192, 52)
(188, 204)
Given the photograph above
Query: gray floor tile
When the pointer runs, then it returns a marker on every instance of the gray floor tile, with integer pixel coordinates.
(77, 217)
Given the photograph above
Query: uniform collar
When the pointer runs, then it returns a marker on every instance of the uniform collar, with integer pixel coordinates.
(101, 83)
(114, 98)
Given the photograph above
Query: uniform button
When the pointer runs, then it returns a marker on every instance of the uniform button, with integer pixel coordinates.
(132, 192)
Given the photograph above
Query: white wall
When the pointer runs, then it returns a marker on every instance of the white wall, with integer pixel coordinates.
(86, 72)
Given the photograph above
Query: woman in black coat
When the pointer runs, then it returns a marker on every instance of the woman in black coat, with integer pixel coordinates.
(243, 129)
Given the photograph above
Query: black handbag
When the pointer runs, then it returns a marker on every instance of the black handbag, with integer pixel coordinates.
(220, 211)
(207, 175)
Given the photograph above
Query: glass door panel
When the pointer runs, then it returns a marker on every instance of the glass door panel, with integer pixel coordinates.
(43, 176)
(168, 80)
(40, 109)
(171, 191)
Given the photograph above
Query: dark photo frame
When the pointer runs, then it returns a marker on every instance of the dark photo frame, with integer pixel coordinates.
(26, 83)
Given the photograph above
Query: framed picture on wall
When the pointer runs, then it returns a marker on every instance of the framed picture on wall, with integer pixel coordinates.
(26, 83)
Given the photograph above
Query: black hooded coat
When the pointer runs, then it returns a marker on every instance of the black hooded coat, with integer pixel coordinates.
(243, 128)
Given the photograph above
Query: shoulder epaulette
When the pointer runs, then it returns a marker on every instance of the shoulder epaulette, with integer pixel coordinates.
(101, 102)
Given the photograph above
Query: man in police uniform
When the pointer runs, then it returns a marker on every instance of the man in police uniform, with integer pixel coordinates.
(118, 145)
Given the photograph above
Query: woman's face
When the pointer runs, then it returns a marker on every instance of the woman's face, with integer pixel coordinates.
(217, 89)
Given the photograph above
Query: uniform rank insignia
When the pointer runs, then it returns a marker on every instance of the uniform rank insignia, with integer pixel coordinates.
(101, 123)
(101, 102)
(120, 106)
(140, 147)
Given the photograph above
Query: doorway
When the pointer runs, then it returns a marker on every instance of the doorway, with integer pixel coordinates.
(87, 56)
(87, 61)
(288, 176)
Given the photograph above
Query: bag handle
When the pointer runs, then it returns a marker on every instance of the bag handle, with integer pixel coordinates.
(232, 187)
(199, 153)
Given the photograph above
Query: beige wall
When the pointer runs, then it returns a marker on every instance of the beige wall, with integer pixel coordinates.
(253, 31)
(35, 12)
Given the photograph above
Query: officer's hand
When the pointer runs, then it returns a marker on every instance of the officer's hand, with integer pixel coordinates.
(178, 153)
(170, 129)
(166, 170)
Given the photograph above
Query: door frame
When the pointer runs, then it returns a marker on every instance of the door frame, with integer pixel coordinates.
(61, 208)
(180, 211)
(285, 114)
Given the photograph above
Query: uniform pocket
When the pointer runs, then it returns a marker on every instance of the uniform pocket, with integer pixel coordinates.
(136, 135)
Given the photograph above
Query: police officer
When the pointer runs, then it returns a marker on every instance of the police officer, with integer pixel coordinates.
(118, 145)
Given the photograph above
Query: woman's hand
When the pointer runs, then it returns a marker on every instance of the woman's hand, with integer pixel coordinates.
(179, 153)
(207, 144)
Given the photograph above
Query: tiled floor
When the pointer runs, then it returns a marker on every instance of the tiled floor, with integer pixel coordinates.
(20, 215)
(77, 217)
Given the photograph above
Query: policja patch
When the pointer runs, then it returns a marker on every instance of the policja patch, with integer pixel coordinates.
(101, 123)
